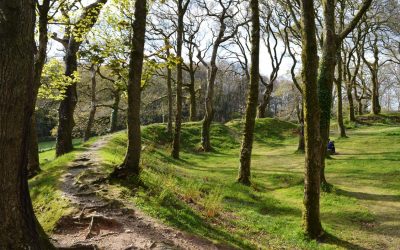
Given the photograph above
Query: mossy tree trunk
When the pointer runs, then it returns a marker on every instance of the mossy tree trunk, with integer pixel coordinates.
(115, 110)
(169, 89)
(192, 94)
(93, 103)
(339, 83)
(311, 211)
(331, 43)
(131, 164)
(252, 101)
(176, 143)
(18, 227)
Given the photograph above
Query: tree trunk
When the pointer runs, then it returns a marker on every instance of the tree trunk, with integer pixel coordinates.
(131, 164)
(352, 115)
(18, 227)
(251, 110)
(93, 105)
(326, 79)
(33, 157)
(115, 111)
(342, 129)
(311, 212)
(209, 110)
(300, 116)
(169, 90)
(265, 101)
(360, 107)
(376, 107)
(67, 106)
(179, 82)
(192, 93)
(33, 151)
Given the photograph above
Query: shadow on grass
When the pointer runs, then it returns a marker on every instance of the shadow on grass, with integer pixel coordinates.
(331, 239)
(367, 196)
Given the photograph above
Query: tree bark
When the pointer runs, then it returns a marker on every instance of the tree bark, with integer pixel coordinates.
(192, 94)
(311, 211)
(179, 80)
(33, 157)
(67, 106)
(326, 78)
(350, 99)
(18, 227)
(115, 111)
(131, 164)
(169, 89)
(209, 109)
(265, 101)
(339, 82)
(251, 110)
(33, 151)
(93, 105)
(300, 116)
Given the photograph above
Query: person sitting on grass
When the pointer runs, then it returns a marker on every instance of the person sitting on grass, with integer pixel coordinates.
(331, 147)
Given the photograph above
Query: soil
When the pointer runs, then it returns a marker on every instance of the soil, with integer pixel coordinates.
(102, 223)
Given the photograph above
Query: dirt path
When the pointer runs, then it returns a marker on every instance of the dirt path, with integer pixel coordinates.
(100, 223)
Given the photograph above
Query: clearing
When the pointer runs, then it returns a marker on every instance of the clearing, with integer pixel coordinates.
(198, 193)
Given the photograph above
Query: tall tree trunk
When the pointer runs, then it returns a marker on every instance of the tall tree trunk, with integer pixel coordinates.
(66, 109)
(326, 79)
(192, 93)
(93, 105)
(311, 211)
(209, 109)
(169, 89)
(18, 227)
(179, 82)
(33, 157)
(376, 107)
(251, 110)
(115, 111)
(342, 129)
(352, 115)
(131, 164)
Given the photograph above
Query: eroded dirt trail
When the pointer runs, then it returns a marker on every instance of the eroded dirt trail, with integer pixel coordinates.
(101, 223)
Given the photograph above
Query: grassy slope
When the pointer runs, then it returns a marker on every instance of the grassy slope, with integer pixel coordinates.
(48, 203)
(198, 193)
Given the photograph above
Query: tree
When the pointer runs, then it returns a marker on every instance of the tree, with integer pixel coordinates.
(131, 164)
(331, 43)
(43, 10)
(225, 18)
(251, 110)
(311, 212)
(182, 7)
(93, 103)
(273, 30)
(18, 228)
(72, 40)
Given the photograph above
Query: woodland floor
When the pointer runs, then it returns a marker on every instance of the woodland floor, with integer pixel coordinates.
(197, 195)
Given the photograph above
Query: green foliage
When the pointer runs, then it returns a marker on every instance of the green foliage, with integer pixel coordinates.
(53, 82)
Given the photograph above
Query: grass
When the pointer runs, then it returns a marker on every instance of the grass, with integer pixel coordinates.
(48, 203)
(198, 193)
(50, 145)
